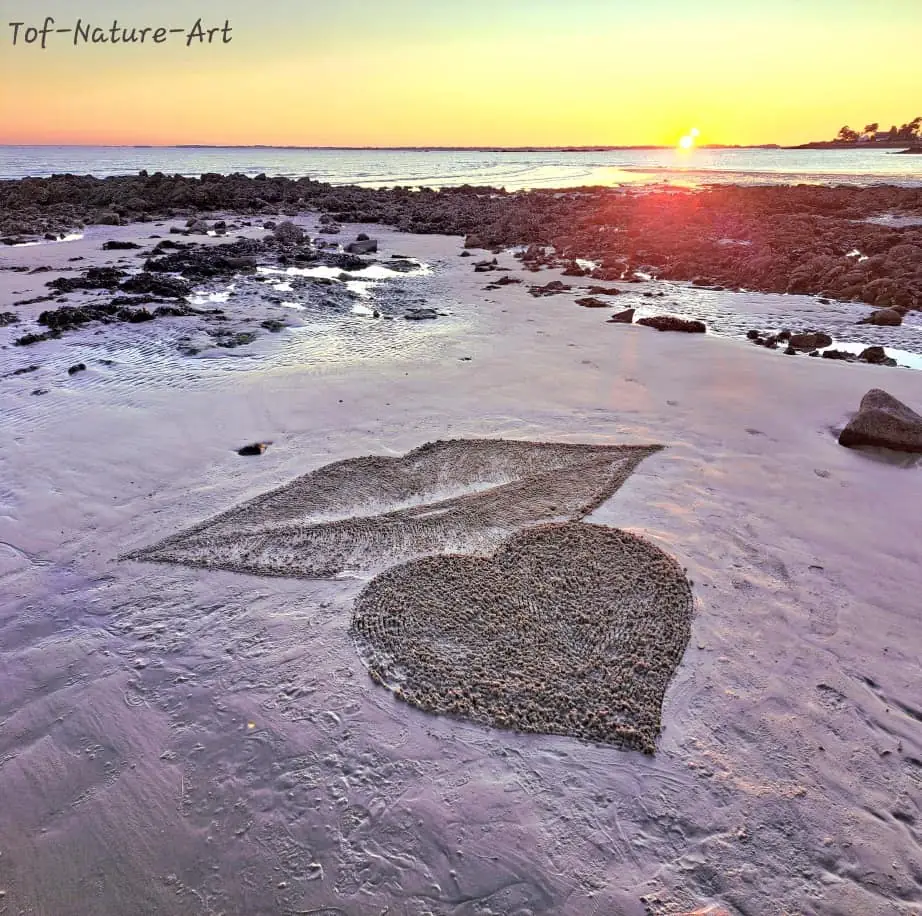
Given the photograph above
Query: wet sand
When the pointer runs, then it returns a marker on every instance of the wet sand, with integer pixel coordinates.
(177, 739)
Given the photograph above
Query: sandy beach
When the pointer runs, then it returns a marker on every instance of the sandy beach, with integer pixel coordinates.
(179, 739)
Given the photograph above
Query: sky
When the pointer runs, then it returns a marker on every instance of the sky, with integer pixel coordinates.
(462, 72)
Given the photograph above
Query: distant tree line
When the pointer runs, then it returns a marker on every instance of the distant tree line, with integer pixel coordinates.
(910, 132)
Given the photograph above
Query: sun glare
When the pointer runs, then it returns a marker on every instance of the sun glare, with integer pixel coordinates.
(688, 141)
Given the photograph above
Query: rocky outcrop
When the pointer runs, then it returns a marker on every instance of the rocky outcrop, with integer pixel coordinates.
(885, 422)
(625, 317)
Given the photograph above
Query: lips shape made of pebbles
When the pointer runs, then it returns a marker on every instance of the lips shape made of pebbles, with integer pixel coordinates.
(568, 629)
(362, 515)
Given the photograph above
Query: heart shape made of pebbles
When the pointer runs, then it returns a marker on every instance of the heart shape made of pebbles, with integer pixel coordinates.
(363, 515)
(570, 629)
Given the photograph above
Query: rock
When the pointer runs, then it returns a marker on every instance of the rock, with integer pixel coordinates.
(555, 287)
(474, 241)
(884, 317)
(78, 367)
(366, 246)
(604, 291)
(625, 317)
(254, 448)
(420, 314)
(673, 323)
(753, 334)
(94, 278)
(362, 237)
(288, 233)
(273, 324)
(840, 355)
(119, 246)
(8, 318)
(790, 351)
(885, 422)
(814, 340)
(109, 219)
(590, 302)
(155, 284)
(876, 356)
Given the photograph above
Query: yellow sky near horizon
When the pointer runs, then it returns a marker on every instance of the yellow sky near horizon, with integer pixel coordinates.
(473, 74)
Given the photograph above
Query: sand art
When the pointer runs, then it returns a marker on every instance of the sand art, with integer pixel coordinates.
(364, 515)
(570, 629)
(505, 609)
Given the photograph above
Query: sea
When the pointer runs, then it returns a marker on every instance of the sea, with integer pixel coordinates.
(512, 169)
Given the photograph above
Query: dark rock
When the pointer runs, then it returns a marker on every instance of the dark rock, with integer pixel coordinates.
(554, 288)
(604, 291)
(673, 323)
(790, 351)
(876, 356)
(362, 237)
(368, 246)
(590, 302)
(753, 334)
(420, 314)
(157, 285)
(842, 355)
(814, 340)
(273, 324)
(94, 278)
(288, 233)
(78, 367)
(8, 318)
(119, 246)
(884, 317)
(28, 339)
(885, 422)
(625, 317)
(109, 219)
(254, 448)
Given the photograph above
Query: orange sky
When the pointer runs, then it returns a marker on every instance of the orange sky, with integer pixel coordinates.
(441, 72)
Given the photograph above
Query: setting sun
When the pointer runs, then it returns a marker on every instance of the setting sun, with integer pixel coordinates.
(688, 141)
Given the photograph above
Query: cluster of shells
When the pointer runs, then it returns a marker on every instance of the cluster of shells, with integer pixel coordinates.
(570, 629)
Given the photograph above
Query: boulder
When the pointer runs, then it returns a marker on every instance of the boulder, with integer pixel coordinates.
(876, 356)
(420, 314)
(673, 323)
(77, 367)
(625, 317)
(288, 233)
(814, 340)
(884, 317)
(885, 422)
(362, 246)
